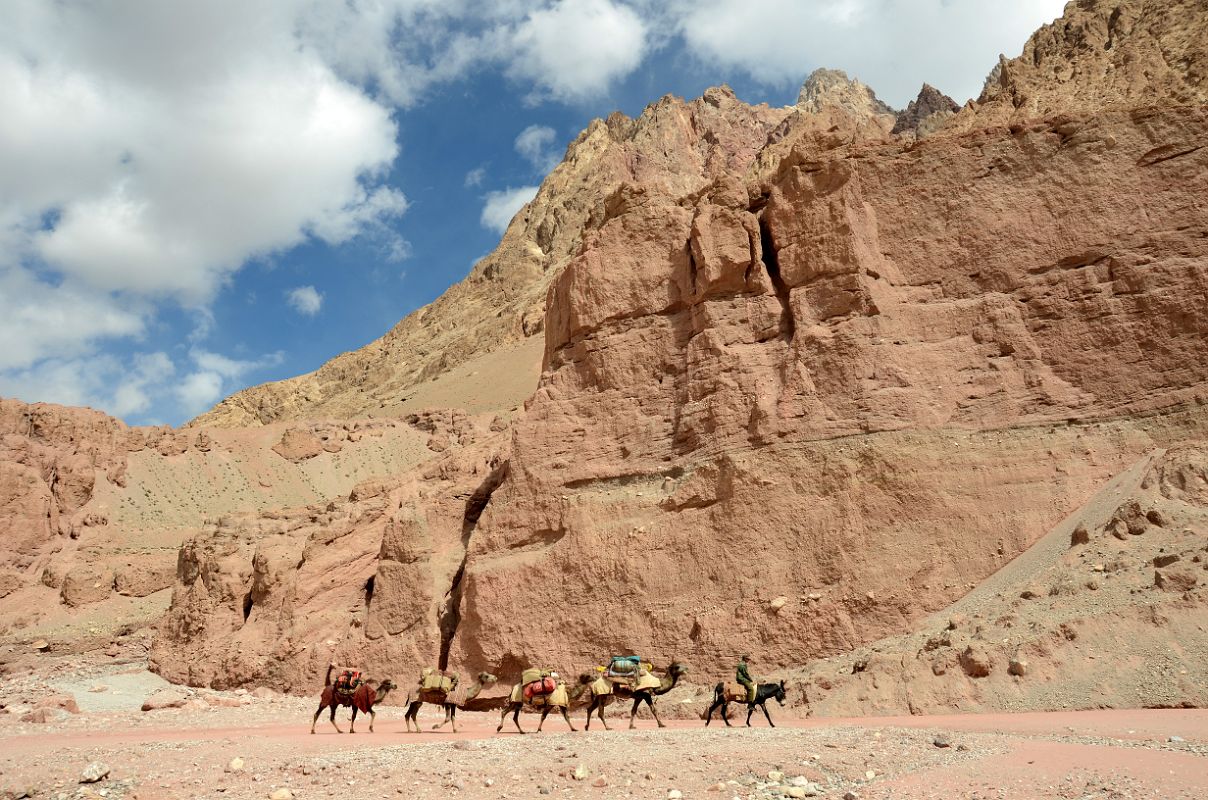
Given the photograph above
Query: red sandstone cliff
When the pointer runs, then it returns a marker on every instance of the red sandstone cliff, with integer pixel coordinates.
(796, 394)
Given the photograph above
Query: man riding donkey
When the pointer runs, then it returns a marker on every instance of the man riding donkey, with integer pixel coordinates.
(743, 676)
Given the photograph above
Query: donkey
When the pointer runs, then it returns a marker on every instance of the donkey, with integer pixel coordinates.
(763, 693)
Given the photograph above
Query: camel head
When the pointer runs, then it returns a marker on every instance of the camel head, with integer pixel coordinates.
(677, 669)
(486, 678)
(587, 678)
(384, 688)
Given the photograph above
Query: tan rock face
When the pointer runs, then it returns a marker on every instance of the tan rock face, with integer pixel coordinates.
(49, 460)
(372, 580)
(298, 445)
(1101, 54)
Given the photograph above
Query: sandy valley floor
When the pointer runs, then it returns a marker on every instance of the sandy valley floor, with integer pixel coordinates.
(188, 752)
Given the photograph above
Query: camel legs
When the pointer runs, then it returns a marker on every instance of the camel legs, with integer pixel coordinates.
(450, 716)
(597, 708)
(544, 714)
(333, 719)
(352, 726)
(566, 716)
(514, 709)
(650, 702)
(409, 717)
(372, 717)
(316, 719)
(633, 712)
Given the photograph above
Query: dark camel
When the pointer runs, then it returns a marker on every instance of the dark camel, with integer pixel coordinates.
(763, 693)
(623, 692)
(363, 699)
(417, 697)
(561, 694)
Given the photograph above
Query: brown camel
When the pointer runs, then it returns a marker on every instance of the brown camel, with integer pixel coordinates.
(449, 701)
(363, 699)
(560, 699)
(603, 693)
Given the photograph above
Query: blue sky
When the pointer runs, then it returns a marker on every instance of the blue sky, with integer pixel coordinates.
(199, 197)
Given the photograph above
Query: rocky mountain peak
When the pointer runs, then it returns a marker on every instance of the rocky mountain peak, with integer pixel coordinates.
(827, 89)
(926, 113)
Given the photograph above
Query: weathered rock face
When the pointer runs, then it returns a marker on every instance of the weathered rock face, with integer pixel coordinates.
(675, 145)
(49, 459)
(1102, 54)
(706, 358)
(795, 395)
(372, 579)
(1098, 624)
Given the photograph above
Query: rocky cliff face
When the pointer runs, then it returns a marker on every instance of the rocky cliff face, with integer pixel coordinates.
(676, 145)
(795, 395)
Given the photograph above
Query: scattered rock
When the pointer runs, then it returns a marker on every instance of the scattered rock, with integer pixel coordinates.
(1165, 561)
(1080, 535)
(778, 603)
(942, 740)
(94, 772)
(41, 645)
(580, 772)
(265, 693)
(600, 782)
(1017, 667)
(674, 794)
(165, 698)
(1174, 580)
(775, 776)
(235, 765)
(43, 715)
(281, 794)
(975, 662)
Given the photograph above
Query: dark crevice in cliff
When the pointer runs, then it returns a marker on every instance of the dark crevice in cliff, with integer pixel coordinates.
(771, 263)
(369, 590)
(247, 606)
(450, 616)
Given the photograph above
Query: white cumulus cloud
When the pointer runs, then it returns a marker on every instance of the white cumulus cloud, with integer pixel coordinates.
(892, 45)
(575, 49)
(213, 376)
(536, 145)
(501, 206)
(305, 300)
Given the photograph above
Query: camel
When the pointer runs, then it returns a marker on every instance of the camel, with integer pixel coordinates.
(560, 699)
(723, 696)
(601, 699)
(363, 700)
(417, 697)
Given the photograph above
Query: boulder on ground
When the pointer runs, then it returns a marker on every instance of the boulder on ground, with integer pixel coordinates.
(976, 662)
(1175, 580)
(298, 445)
(144, 575)
(87, 583)
(165, 698)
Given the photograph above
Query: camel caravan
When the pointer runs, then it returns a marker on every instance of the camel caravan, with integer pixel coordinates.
(624, 679)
